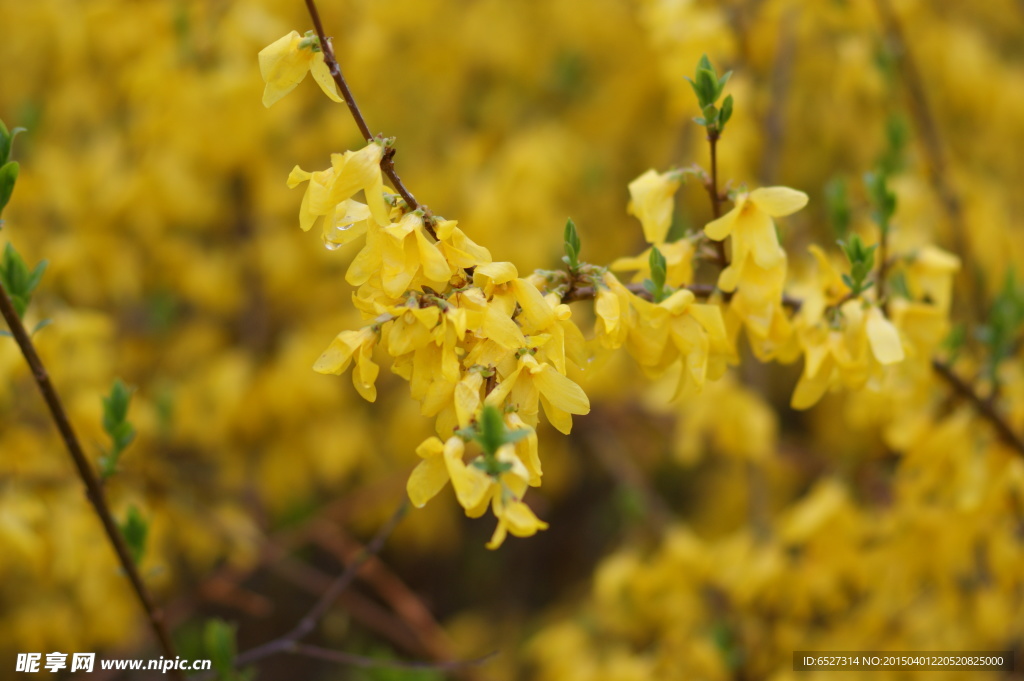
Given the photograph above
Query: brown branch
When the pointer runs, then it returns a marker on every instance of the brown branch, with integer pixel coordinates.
(387, 163)
(93, 489)
(924, 121)
(716, 198)
(288, 641)
(699, 290)
(984, 408)
(391, 589)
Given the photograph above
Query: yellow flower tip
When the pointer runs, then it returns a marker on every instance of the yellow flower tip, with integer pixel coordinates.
(494, 274)
(297, 176)
(651, 197)
(778, 201)
(283, 65)
(430, 475)
(322, 75)
(884, 338)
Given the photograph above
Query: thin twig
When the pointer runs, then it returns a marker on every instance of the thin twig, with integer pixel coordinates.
(716, 198)
(387, 164)
(391, 589)
(309, 621)
(924, 121)
(699, 290)
(93, 489)
(984, 408)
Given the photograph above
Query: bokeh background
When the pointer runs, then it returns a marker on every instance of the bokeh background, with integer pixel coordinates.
(702, 539)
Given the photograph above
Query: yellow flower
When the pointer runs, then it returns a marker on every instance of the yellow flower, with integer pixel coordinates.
(430, 475)
(930, 275)
(329, 190)
(651, 197)
(534, 382)
(847, 354)
(339, 354)
(472, 485)
(407, 251)
(752, 230)
(285, 62)
(514, 517)
(678, 261)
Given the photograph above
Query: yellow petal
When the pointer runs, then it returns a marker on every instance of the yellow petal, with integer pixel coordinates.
(756, 229)
(722, 227)
(357, 170)
(426, 480)
(651, 202)
(434, 265)
(521, 520)
(500, 328)
(430, 447)
(336, 358)
(494, 273)
(537, 314)
(296, 177)
(561, 391)
(778, 201)
(364, 377)
(884, 338)
(471, 484)
(812, 387)
(322, 76)
(283, 65)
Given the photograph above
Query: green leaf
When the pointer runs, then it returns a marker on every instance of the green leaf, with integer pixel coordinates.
(898, 285)
(896, 135)
(35, 277)
(1004, 324)
(135, 530)
(721, 84)
(572, 244)
(726, 110)
(659, 269)
(490, 430)
(707, 84)
(221, 648)
(115, 406)
(883, 200)
(116, 426)
(5, 143)
(954, 342)
(711, 114)
(16, 279)
(8, 176)
(41, 325)
(838, 205)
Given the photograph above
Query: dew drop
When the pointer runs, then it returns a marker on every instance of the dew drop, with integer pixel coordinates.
(331, 245)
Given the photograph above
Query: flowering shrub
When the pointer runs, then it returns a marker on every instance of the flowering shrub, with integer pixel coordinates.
(816, 440)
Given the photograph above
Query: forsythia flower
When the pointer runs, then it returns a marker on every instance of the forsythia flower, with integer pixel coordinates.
(651, 197)
(678, 260)
(475, 488)
(285, 62)
(338, 356)
(328, 190)
(757, 271)
(847, 354)
(752, 230)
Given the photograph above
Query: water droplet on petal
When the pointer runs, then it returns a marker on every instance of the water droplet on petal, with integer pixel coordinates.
(331, 245)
